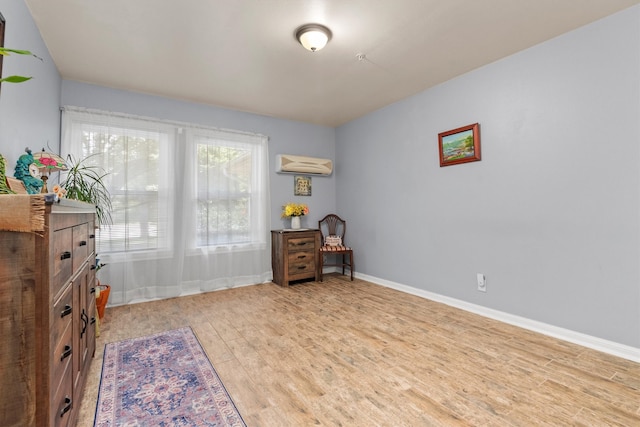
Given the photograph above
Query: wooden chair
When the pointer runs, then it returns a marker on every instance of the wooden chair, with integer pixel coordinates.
(332, 229)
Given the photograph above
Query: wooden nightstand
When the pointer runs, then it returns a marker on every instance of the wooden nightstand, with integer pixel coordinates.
(294, 255)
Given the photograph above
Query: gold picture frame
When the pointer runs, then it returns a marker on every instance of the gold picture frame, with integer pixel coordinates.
(301, 185)
(461, 145)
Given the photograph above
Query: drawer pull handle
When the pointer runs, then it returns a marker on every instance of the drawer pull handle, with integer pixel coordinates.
(85, 322)
(67, 311)
(92, 236)
(67, 406)
(302, 267)
(83, 243)
(93, 290)
(65, 255)
(301, 256)
(93, 320)
(66, 353)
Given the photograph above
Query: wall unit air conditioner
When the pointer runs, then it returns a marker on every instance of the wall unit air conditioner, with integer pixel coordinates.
(302, 164)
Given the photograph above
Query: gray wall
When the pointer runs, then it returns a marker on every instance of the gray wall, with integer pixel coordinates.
(28, 111)
(285, 137)
(551, 213)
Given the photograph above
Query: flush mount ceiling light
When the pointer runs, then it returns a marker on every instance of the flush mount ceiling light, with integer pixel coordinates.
(313, 36)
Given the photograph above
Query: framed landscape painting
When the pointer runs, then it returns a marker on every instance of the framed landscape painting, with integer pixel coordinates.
(461, 145)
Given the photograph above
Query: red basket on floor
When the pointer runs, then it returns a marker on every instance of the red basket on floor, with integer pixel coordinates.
(101, 301)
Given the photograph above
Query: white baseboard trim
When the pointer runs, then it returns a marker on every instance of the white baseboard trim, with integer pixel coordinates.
(599, 344)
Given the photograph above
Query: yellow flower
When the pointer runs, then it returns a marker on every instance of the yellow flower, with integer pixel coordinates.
(294, 209)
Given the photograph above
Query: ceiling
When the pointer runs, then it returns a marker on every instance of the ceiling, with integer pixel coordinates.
(242, 54)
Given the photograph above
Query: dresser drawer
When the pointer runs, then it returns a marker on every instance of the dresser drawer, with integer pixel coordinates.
(61, 315)
(80, 245)
(92, 237)
(61, 357)
(62, 254)
(62, 401)
(301, 244)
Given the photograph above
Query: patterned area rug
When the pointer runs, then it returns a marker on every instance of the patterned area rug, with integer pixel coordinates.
(162, 380)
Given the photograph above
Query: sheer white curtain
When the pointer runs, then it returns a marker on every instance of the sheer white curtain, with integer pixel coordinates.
(190, 203)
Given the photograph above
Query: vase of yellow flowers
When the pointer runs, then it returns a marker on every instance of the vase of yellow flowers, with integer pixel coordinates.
(294, 211)
(295, 223)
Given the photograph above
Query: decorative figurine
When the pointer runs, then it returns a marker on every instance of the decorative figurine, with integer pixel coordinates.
(28, 173)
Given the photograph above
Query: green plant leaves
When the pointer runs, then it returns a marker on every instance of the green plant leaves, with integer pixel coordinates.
(15, 79)
(6, 51)
(85, 183)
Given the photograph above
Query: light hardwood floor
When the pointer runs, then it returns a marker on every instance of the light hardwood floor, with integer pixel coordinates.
(343, 353)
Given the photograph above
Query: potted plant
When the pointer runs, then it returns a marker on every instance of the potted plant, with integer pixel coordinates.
(85, 182)
(294, 211)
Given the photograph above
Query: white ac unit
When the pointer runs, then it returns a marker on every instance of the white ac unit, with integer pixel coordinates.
(302, 164)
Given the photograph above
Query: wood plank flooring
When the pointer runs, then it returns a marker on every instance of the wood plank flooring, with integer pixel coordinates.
(343, 353)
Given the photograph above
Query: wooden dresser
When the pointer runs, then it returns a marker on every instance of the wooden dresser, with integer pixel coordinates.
(47, 309)
(294, 255)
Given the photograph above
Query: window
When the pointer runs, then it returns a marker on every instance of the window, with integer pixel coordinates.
(190, 204)
(217, 194)
(134, 154)
(227, 189)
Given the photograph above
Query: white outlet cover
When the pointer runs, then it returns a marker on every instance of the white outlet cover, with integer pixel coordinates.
(482, 284)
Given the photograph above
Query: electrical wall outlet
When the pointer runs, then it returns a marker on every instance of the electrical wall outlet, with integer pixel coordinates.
(482, 282)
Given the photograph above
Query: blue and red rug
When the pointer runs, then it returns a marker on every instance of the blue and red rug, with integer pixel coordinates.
(164, 379)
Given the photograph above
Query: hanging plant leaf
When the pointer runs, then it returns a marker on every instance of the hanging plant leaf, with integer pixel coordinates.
(6, 51)
(15, 79)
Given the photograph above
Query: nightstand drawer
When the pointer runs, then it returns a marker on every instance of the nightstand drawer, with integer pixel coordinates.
(301, 244)
(301, 257)
(302, 267)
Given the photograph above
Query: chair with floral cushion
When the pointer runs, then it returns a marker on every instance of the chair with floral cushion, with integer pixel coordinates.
(332, 229)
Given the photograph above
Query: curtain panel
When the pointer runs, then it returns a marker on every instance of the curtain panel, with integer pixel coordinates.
(190, 203)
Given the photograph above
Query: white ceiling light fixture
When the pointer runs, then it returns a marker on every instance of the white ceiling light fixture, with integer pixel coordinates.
(313, 36)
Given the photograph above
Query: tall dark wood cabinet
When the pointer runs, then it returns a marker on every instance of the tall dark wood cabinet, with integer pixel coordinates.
(294, 255)
(47, 309)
